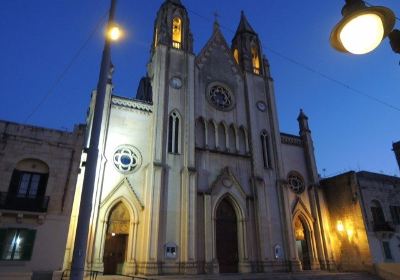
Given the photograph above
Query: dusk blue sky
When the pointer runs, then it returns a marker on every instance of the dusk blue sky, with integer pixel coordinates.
(350, 132)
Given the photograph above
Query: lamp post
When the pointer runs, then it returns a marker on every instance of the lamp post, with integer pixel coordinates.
(362, 28)
(85, 208)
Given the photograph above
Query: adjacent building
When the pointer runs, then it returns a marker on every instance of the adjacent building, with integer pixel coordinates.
(38, 171)
(364, 210)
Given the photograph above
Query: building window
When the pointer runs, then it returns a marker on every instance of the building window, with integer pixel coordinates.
(27, 187)
(220, 96)
(127, 159)
(27, 184)
(173, 133)
(395, 212)
(236, 55)
(377, 213)
(296, 182)
(176, 33)
(29, 179)
(265, 150)
(386, 250)
(255, 57)
(156, 38)
(16, 243)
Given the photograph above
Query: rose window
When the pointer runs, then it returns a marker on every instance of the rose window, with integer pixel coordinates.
(220, 97)
(296, 183)
(126, 159)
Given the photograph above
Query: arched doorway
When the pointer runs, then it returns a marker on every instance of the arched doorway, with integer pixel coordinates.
(227, 238)
(116, 239)
(302, 235)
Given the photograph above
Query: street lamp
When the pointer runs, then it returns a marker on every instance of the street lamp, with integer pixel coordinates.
(113, 33)
(362, 28)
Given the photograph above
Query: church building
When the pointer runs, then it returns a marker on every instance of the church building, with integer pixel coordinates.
(194, 175)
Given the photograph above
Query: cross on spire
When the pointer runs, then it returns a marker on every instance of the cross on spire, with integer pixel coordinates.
(216, 16)
(216, 24)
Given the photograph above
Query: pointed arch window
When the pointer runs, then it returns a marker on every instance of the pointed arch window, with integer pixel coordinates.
(156, 38)
(255, 58)
(236, 55)
(265, 149)
(177, 32)
(173, 133)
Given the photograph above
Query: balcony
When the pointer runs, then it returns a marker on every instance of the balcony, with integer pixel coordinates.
(11, 201)
(383, 226)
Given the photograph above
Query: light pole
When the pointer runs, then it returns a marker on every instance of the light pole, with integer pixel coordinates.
(362, 28)
(85, 208)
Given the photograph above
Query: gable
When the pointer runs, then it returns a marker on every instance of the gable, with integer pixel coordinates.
(227, 182)
(216, 57)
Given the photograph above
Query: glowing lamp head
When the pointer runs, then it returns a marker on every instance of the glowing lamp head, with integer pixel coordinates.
(362, 34)
(114, 33)
(362, 28)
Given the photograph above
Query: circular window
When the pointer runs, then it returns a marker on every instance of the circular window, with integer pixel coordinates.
(296, 183)
(220, 97)
(127, 159)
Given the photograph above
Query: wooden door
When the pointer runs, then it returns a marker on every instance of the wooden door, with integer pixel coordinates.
(226, 238)
(114, 253)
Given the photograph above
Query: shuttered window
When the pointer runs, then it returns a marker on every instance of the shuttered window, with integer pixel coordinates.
(395, 212)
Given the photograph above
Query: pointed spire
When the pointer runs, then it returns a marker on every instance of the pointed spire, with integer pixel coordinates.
(177, 2)
(302, 115)
(244, 25)
(303, 121)
(216, 26)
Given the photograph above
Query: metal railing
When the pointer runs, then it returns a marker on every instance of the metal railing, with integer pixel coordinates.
(12, 201)
(92, 274)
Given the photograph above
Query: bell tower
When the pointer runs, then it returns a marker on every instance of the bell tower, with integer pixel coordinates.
(171, 27)
(247, 49)
(172, 176)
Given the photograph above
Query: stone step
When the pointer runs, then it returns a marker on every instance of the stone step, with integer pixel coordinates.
(314, 275)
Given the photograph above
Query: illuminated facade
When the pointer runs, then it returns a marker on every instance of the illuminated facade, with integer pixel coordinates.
(194, 175)
(364, 210)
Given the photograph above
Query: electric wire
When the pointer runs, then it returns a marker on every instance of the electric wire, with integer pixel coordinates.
(285, 57)
(310, 69)
(67, 67)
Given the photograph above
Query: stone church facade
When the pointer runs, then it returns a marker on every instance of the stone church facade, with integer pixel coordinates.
(194, 174)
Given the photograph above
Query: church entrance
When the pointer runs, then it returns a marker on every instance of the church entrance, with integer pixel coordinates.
(227, 238)
(302, 235)
(116, 240)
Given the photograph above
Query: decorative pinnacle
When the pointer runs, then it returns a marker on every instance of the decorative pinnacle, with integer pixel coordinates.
(244, 25)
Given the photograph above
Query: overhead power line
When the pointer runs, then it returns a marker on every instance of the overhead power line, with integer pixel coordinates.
(310, 69)
(67, 68)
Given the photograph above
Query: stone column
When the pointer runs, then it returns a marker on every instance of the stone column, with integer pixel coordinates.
(244, 264)
(130, 264)
(209, 238)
